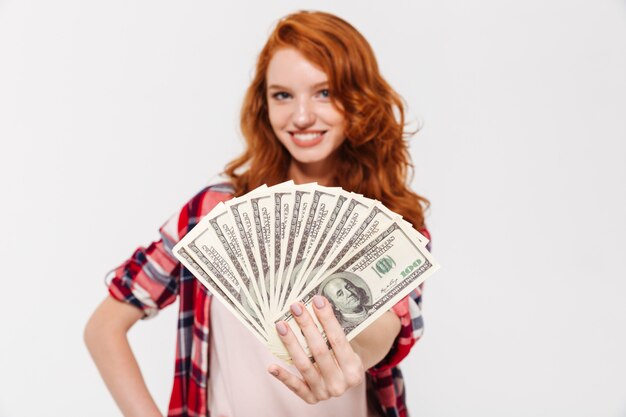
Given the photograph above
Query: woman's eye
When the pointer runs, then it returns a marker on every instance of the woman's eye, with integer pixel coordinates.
(325, 93)
(281, 95)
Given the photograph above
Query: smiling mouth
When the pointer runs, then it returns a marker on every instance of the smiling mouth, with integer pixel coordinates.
(307, 138)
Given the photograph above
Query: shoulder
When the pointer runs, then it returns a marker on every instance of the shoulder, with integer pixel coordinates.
(216, 191)
(206, 199)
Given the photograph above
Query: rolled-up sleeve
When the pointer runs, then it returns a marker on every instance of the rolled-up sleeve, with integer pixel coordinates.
(148, 279)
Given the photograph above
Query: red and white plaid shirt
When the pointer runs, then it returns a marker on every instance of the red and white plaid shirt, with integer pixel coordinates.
(152, 278)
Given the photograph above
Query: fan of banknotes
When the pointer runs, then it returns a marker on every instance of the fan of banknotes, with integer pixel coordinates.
(267, 249)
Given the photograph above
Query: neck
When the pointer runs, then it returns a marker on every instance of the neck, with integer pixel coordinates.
(321, 172)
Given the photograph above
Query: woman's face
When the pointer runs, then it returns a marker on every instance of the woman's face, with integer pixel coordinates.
(301, 113)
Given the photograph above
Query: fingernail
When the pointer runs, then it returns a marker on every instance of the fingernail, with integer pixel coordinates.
(274, 372)
(318, 301)
(296, 309)
(281, 328)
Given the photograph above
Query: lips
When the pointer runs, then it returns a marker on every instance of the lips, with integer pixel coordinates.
(306, 139)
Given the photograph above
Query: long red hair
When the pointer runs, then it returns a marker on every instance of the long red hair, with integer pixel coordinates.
(374, 159)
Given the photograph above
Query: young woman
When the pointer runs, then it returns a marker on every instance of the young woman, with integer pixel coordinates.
(317, 110)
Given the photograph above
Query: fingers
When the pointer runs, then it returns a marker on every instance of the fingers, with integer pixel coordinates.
(297, 385)
(300, 359)
(317, 345)
(349, 362)
(331, 374)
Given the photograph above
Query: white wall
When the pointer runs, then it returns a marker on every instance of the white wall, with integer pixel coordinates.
(112, 114)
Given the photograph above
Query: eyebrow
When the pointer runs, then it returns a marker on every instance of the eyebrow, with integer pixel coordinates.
(280, 87)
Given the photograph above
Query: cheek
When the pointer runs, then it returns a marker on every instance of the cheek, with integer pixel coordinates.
(277, 117)
(334, 117)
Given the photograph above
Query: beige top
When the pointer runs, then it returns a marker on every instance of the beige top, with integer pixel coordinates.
(240, 386)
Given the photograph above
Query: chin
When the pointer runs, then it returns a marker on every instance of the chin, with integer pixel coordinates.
(308, 160)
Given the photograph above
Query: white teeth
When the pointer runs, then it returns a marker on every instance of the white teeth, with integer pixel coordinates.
(306, 136)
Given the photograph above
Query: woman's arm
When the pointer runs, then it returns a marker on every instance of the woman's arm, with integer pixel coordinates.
(105, 337)
(375, 341)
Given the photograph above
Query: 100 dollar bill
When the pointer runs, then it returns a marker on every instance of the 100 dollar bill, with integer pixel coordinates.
(368, 284)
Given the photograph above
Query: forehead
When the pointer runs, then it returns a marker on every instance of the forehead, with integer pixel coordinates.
(289, 68)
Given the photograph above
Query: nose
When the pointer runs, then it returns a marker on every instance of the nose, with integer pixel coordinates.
(304, 115)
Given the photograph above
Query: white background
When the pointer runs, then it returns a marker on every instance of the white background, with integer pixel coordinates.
(113, 114)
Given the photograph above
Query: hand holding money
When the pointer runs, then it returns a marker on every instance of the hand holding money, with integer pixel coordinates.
(332, 372)
(261, 252)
